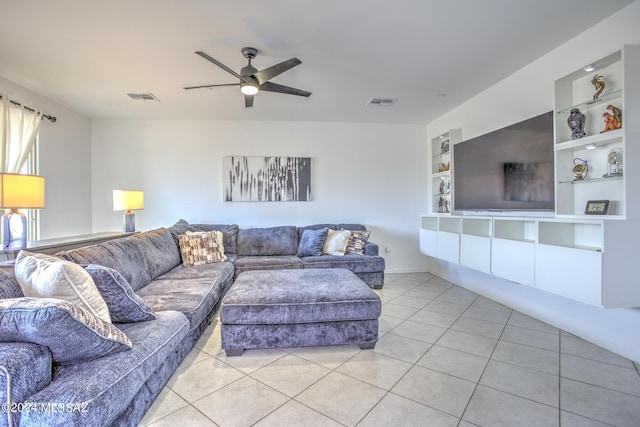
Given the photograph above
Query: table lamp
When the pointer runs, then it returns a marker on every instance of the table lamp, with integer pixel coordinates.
(18, 192)
(128, 200)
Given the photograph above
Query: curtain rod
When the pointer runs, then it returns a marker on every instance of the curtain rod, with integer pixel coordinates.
(52, 119)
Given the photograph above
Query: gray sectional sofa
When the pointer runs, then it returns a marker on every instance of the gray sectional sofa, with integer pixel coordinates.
(118, 388)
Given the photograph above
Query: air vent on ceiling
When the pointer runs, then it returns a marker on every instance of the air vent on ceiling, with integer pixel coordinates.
(143, 97)
(381, 102)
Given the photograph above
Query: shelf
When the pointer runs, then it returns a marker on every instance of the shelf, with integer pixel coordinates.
(440, 174)
(593, 102)
(605, 138)
(588, 180)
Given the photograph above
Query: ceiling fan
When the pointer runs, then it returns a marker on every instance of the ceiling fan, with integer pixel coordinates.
(251, 80)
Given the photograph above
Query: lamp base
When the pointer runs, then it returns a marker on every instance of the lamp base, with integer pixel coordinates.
(129, 222)
(14, 230)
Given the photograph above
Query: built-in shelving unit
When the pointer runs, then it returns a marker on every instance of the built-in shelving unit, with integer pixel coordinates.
(609, 157)
(441, 168)
(585, 257)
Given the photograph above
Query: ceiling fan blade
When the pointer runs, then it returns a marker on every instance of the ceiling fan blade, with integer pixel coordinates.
(274, 87)
(210, 86)
(248, 101)
(221, 65)
(267, 74)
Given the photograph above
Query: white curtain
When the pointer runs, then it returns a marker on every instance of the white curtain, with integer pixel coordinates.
(18, 130)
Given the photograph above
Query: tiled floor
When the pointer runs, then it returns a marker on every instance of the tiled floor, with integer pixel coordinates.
(446, 357)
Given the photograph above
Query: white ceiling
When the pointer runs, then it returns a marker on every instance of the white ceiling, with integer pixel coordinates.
(431, 55)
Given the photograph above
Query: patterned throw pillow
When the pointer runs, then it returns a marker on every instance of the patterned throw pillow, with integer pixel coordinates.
(356, 242)
(71, 332)
(204, 247)
(46, 276)
(124, 305)
(336, 242)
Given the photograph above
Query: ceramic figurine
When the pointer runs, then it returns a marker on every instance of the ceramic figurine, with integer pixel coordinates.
(610, 122)
(599, 84)
(616, 112)
(576, 123)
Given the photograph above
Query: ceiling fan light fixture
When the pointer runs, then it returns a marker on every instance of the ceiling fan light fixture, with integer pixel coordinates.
(249, 88)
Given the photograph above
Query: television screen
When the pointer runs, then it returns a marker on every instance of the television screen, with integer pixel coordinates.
(510, 169)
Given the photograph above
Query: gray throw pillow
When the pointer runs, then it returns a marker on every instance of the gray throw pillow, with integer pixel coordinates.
(71, 332)
(124, 305)
(311, 242)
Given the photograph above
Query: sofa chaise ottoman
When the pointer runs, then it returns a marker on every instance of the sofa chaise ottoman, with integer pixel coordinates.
(297, 308)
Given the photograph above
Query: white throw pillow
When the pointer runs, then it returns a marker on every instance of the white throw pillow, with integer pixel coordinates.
(336, 242)
(46, 276)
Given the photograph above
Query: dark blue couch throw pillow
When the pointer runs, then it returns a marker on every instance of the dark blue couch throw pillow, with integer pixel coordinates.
(312, 241)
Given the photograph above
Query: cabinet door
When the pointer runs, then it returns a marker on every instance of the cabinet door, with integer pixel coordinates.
(429, 242)
(475, 252)
(570, 272)
(513, 260)
(449, 246)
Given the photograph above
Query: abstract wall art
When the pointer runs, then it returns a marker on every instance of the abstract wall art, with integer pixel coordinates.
(267, 179)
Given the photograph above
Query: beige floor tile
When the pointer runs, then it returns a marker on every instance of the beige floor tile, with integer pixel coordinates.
(290, 374)
(489, 407)
(252, 360)
(397, 310)
(341, 398)
(600, 404)
(528, 357)
(453, 362)
(419, 331)
(522, 321)
(532, 338)
(294, 413)
(437, 390)
(187, 416)
(415, 302)
(483, 302)
(395, 410)
(203, 378)
(195, 355)
(446, 307)
(242, 403)
(469, 343)
(375, 369)
(406, 349)
(330, 356)
(481, 313)
(167, 402)
(478, 327)
(523, 382)
(613, 377)
(579, 347)
(567, 419)
(387, 323)
(433, 318)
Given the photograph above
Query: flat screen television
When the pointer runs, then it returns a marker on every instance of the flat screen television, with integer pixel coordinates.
(510, 169)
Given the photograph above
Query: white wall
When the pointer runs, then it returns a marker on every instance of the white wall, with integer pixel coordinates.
(65, 163)
(373, 174)
(524, 94)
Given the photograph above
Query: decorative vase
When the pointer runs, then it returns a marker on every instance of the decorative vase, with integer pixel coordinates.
(576, 123)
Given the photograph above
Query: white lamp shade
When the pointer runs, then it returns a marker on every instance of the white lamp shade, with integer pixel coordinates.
(125, 200)
(21, 191)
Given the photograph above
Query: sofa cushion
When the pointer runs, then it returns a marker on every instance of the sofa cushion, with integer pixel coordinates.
(270, 241)
(46, 276)
(105, 387)
(194, 297)
(124, 305)
(229, 231)
(312, 242)
(9, 287)
(250, 263)
(71, 332)
(336, 242)
(357, 241)
(122, 254)
(159, 249)
(218, 269)
(201, 247)
(29, 369)
(355, 263)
